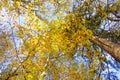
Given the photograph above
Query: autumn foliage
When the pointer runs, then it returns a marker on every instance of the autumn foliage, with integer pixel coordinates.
(52, 43)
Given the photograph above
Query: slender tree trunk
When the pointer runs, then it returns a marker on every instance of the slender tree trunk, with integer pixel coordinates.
(112, 48)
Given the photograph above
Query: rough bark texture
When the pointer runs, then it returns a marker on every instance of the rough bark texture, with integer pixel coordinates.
(112, 48)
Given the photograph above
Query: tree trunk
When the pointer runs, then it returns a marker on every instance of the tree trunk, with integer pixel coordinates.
(112, 48)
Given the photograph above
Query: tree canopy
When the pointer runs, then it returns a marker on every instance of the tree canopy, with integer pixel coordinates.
(51, 39)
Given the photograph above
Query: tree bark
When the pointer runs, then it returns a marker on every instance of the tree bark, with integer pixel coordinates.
(112, 48)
